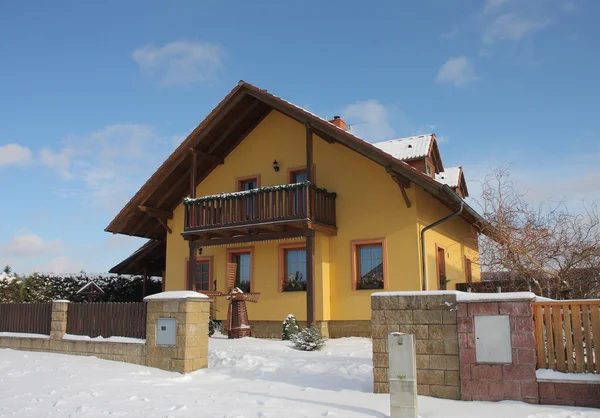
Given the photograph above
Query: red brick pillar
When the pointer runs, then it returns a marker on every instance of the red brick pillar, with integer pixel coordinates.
(495, 382)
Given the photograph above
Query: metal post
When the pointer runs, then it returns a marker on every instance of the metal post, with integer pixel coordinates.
(402, 375)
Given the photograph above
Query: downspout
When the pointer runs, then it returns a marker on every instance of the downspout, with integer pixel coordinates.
(458, 200)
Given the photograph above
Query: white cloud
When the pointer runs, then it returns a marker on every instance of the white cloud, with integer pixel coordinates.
(512, 27)
(441, 139)
(458, 71)
(372, 120)
(14, 154)
(107, 166)
(28, 245)
(180, 62)
(59, 265)
(60, 161)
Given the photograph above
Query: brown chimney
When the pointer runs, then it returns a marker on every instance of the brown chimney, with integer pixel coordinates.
(339, 122)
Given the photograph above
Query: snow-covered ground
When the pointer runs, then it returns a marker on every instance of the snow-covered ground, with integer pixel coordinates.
(246, 378)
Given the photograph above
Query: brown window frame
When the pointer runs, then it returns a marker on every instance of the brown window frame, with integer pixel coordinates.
(202, 259)
(468, 270)
(241, 180)
(355, 259)
(437, 266)
(282, 264)
(243, 250)
(300, 169)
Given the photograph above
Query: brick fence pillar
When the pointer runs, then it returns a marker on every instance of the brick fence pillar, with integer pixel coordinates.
(58, 326)
(191, 312)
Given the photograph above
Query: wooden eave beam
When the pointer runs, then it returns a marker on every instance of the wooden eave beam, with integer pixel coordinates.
(164, 224)
(156, 213)
(207, 156)
(252, 238)
(403, 183)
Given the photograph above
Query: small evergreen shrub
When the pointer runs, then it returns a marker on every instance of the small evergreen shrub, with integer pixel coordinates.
(290, 327)
(211, 327)
(309, 339)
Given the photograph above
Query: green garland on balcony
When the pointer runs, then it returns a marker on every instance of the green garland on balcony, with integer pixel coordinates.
(253, 192)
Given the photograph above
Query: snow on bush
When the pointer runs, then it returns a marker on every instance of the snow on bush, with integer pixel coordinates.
(290, 327)
(309, 339)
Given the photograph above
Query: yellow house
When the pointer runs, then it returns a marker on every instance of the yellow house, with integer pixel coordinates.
(315, 218)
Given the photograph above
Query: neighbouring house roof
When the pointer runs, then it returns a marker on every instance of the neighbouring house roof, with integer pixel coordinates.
(221, 131)
(150, 257)
(450, 176)
(453, 177)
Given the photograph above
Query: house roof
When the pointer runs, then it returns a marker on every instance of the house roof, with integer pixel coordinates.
(220, 132)
(408, 148)
(149, 258)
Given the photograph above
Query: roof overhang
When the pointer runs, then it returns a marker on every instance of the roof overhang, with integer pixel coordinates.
(220, 132)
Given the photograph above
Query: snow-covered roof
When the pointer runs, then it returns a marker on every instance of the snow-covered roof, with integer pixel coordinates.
(407, 148)
(176, 294)
(90, 284)
(450, 176)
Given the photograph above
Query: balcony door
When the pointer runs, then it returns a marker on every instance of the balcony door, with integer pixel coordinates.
(298, 176)
(250, 202)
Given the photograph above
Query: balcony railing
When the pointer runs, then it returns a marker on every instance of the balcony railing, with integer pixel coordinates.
(265, 205)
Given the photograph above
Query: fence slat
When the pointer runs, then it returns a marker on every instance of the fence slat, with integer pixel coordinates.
(568, 338)
(539, 341)
(549, 336)
(578, 338)
(595, 311)
(587, 337)
(559, 339)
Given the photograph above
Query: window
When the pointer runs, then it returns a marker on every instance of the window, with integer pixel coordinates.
(369, 264)
(429, 169)
(245, 184)
(441, 269)
(244, 272)
(203, 274)
(292, 267)
(468, 271)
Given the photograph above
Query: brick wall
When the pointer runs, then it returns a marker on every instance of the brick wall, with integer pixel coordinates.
(495, 382)
(432, 319)
(570, 393)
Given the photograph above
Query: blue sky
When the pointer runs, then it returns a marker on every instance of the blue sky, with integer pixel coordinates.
(95, 95)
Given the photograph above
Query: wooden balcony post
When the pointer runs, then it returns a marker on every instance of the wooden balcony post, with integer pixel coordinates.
(192, 266)
(310, 239)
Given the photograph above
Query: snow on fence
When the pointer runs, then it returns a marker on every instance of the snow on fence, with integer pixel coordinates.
(567, 335)
(31, 318)
(107, 319)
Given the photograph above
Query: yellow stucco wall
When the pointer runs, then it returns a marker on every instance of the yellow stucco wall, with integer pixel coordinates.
(456, 237)
(369, 205)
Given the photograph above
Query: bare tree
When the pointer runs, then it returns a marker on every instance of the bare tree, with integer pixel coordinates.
(554, 250)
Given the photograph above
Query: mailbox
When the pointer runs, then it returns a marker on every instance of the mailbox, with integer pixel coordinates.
(402, 375)
(166, 331)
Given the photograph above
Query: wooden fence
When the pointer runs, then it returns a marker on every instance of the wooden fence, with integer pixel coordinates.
(107, 319)
(568, 335)
(33, 318)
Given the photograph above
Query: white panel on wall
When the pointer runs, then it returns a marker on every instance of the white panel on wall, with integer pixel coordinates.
(492, 339)
(166, 331)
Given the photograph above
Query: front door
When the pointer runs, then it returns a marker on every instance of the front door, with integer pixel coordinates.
(441, 268)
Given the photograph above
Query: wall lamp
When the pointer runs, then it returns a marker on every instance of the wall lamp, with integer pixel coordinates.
(275, 166)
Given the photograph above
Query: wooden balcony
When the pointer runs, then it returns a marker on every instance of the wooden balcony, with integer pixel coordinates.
(298, 206)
